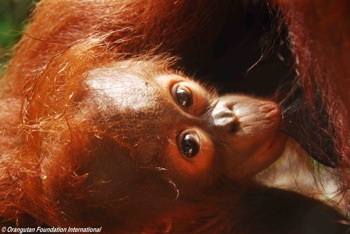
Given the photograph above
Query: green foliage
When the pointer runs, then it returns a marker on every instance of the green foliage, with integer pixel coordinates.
(13, 15)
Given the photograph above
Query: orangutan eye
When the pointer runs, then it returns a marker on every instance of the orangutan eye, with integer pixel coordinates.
(188, 144)
(183, 96)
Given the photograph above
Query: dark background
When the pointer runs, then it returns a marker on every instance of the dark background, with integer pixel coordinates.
(250, 55)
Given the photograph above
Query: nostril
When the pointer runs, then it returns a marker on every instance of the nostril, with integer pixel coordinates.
(234, 127)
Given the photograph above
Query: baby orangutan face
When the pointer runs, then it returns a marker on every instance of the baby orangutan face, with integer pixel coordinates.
(175, 123)
(133, 140)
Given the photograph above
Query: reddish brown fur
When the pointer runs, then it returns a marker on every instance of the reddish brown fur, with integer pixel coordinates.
(78, 37)
(320, 38)
(44, 80)
(132, 29)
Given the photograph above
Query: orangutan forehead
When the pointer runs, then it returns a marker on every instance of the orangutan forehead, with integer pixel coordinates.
(122, 90)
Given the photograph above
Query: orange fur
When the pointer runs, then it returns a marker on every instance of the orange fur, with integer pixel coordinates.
(54, 157)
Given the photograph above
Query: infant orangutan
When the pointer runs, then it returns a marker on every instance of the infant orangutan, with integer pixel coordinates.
(98, 128)
(135, 147)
